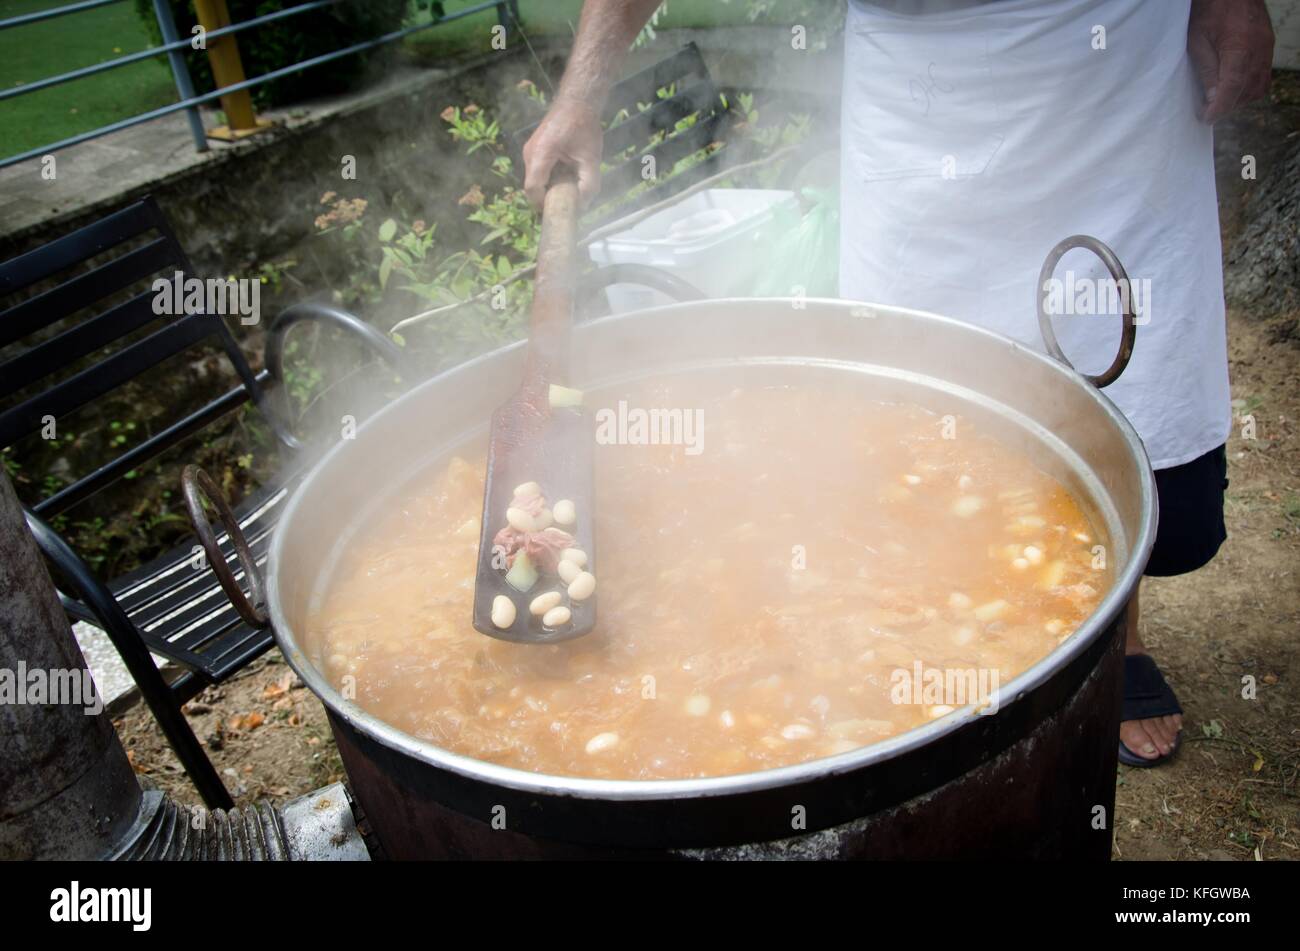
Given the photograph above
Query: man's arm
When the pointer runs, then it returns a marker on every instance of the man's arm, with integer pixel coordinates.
(571, 132)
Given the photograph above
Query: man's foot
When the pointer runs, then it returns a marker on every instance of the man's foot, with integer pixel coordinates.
(1152, 718)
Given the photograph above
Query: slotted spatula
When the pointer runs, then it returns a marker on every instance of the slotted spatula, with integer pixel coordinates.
(531, 441)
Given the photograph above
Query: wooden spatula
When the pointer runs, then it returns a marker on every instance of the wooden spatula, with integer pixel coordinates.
(537, 438)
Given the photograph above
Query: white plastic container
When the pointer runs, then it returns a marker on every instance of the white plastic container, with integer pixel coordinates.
(708, 240)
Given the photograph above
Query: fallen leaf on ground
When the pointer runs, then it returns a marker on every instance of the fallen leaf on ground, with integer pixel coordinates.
(248, 721)
(280, 687)
(138, 767)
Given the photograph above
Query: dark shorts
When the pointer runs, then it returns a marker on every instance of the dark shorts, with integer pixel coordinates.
(1191, 514)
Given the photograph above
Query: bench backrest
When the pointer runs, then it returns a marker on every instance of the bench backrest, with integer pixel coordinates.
(139, 245)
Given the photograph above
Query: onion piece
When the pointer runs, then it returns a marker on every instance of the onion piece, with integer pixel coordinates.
(563, 397)
(522, 575)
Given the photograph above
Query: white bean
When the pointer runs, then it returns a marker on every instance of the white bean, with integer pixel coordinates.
(967, 505)
(520, 520)
(1033, 554)
(727, 719)
(567, 571)
(942, 710)
(527, 490)
(503, 611)
(912, 479)
(557, 617)
(797, 731)
(698, 705)
(852, 728)
(575, 555)
(895, 493)
(601, 742)
(1020, 564)
(566, 513)
(544, 602)
(991, 610)
(965, 482)
(583, 586)
(1052, 575)
(959, 602)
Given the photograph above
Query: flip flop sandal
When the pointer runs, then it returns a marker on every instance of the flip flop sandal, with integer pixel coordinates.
(1146, 695)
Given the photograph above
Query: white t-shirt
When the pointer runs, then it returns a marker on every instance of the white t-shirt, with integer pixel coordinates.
(975, 139)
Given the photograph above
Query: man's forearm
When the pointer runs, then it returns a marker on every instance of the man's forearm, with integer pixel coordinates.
(605, 32)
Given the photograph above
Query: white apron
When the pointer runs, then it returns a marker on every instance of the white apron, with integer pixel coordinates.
(976, 139)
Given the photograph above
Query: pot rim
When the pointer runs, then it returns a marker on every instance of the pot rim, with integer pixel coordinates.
(550, 784)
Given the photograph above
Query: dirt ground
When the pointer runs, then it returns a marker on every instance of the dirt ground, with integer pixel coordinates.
(1233, 791)
(1227, 636)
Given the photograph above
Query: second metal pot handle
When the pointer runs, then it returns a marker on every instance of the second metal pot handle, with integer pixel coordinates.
(1129, 333)
(197, 485)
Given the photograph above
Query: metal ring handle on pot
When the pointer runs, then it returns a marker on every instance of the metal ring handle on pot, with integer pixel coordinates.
(197, 485)
(1129, 334)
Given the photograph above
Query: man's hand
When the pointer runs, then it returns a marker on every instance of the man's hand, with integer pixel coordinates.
(1231, 45)
(569, 135)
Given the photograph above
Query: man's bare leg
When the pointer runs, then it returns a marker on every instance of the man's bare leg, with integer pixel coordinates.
(1155, 737)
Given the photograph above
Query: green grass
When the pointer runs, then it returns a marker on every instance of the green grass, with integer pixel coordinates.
(552, 17)
(37, 50)
(34, 51)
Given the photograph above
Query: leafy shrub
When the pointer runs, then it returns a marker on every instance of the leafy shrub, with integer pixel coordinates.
(281, 43)
(404, 257)
(403, 262)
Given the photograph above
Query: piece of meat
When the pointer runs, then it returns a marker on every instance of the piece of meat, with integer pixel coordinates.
(543, 547)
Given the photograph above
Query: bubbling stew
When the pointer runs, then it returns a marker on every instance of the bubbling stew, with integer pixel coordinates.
(771, 588)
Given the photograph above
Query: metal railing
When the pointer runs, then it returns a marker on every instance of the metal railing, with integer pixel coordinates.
(173, 46)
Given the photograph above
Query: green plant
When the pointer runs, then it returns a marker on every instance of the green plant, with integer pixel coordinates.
(1291, 507)
(402, 255)
(293, 39)
(302, 378)
(649, 32)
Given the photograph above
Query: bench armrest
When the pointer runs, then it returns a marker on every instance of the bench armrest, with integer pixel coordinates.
(72, 569)
(377, 342)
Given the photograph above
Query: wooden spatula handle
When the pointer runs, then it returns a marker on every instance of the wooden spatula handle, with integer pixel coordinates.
(552, 314)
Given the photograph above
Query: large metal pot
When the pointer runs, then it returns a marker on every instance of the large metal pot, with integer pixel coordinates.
(1034, 779)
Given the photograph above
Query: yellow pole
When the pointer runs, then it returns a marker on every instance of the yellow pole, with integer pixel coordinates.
(227, 70)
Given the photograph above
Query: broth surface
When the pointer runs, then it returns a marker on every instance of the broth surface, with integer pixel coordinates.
(762, 601)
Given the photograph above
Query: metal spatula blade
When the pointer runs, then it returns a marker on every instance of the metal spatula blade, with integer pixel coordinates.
(531, 441)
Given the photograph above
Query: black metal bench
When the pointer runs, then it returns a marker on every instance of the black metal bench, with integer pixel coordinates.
(173, 606)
